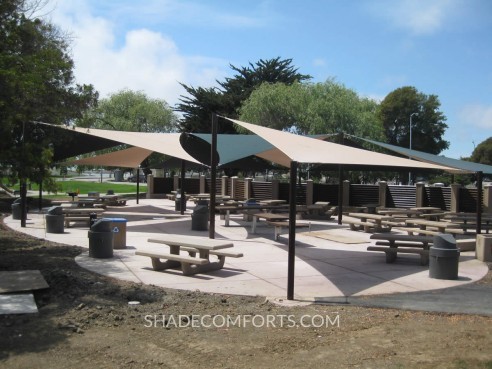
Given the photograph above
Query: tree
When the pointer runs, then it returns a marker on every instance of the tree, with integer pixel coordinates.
(307, 108)
(226, 100)
(131, 111)
(483, 152)
(428, 124)
(37, 84)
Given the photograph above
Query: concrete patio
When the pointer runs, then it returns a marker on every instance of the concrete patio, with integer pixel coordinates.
(325, 270)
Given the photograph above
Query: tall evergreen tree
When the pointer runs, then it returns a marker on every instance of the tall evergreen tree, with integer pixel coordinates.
(227, 99)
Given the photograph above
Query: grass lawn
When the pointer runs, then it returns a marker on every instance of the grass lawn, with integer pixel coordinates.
(84, 187)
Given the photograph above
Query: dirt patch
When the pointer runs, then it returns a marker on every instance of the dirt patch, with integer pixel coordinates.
(85, 320)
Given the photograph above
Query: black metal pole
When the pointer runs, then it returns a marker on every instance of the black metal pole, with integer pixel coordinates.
(138, 183)
(213, 177)
(292, 231)
(183, 196)
(23, 186)
(340, 193)
(40, 198)
(23, 194)
(479, 201)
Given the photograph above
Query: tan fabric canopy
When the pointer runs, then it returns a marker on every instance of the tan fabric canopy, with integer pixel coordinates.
(164, 143)
(302, 149)
(128, 158)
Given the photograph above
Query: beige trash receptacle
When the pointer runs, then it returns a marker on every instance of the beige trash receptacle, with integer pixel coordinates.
(118, 226)
(483, 250)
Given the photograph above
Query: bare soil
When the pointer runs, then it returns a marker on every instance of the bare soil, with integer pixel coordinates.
(85, 321)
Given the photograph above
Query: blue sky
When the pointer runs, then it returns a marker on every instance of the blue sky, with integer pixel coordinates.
(441, 47)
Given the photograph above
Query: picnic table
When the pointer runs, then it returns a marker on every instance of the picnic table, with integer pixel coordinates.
(392, 244)
(79, 214)
(368, 221)
(400, 211)
(268, 217)
(427, 209)
(468, 220)
(191, 263)
(112, 200)
(247, 209)
(441, 226)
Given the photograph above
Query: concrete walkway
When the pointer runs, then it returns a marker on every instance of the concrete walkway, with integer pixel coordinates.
(325, 270)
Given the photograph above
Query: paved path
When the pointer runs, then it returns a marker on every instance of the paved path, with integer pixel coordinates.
(326, 271)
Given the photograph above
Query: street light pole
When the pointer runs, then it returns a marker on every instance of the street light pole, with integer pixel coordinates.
(410, 173)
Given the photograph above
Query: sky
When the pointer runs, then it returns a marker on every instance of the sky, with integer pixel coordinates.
(441, 47)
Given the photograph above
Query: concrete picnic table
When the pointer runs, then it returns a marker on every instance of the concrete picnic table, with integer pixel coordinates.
(377, 219)
(426, 209)
(463, 220)
(407, 212)
(424, 223)
(267, 216)
(190, 264)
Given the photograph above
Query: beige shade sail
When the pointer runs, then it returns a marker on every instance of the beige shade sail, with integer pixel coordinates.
(127, 158)
(164, 143)
(302, 149)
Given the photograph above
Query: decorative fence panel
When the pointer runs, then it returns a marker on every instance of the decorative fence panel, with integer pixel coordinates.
(163, 185)
(191, 185)
(439, 197)
(218, 185)
(284, 189)
(468, 200)
(325, 192)
(239, 194)
(261, 190)
(401, 196)
(361, 195)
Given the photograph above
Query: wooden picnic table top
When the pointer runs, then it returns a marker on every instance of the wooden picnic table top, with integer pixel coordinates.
(190, 241)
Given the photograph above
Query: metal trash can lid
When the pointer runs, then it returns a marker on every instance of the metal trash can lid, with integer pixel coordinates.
(444, 241)
(55, 210)
(102, 225)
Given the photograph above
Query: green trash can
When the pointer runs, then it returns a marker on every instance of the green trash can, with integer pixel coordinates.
(16, 211)
(101, 239)
(55, 220)
(444, 257)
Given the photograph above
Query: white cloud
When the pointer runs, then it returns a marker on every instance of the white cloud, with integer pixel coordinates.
(319, 62)
(417, 16)
(144, 60)
(477, 115)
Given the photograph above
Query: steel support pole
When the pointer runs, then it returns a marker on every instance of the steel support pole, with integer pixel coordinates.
(213, 176)
(292, 231)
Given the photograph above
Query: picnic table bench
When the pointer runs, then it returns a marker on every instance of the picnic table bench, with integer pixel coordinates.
(190, 264)
(392, 244)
